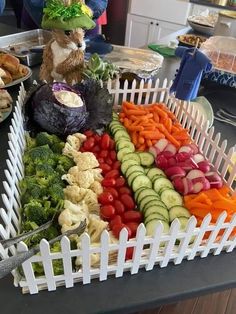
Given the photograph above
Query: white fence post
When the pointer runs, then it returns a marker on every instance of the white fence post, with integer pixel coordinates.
(121, 252)
(138, 248)
(104, 257)
(85, 254)
(67, 263)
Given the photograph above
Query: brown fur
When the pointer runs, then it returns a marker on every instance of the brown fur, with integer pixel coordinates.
(72, 67)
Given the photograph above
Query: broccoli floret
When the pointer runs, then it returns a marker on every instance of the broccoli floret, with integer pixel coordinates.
(34, 211)
(56, 193)
(39, 155)
(43, 138)
(31, 189)
(29, 226)
(58, 147)
(44, 170)
(29, 169)
(64, 163)
(48, 234)
(30, 142)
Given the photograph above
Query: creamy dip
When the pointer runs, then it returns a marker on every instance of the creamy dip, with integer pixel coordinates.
(69, 99)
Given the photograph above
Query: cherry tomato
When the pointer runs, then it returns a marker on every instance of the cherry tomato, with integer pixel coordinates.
(82, 149)
(113, 174)
(125, 190)
(133, 227)
(95, 149)
(112, 191)
(120, 182)
(105, 198)
(119, 207)
(112, 155)
(108, 182)
(132, 216)
(107, 211)
(129, 253)
(127, 201)
(103, 153)
(97, 138)
(116, 165)
(105, 168)
(88, 133)
(112, 144)
(105, 141)
(101, 160)
(109, 161)
(117, 229)
(89, 143)
(116, 220)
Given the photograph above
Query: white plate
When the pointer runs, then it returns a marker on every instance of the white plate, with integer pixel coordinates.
(4, 115)
(22, 79)
(204, 29)
(204, 108)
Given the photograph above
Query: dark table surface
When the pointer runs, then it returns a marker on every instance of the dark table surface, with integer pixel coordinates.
(137, 292)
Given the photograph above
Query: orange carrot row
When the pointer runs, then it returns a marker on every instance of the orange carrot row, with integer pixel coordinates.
(147, 124)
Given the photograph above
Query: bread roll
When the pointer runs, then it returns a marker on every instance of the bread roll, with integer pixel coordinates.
(10, 63)
(22, 71)
(7, 78)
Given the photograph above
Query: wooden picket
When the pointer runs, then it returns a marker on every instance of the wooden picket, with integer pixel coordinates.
(161, 249)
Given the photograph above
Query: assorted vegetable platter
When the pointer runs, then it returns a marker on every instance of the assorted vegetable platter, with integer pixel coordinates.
(115, 172)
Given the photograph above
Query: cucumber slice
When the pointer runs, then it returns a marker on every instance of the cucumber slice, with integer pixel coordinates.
(136, 194)
(132, 169)
(157, 210)
(120, 134)
(179, 212)
(141, 180)
(171, 198)
(160, 183)
(146, 170)
(154, 202)
(147, 159)
(117, 128)
(157, 176)
(132, 156)
(115, 116)
(125, 143)
(132, 176)
(146, 200)
(152, 225)
(155, 172)
(127, 164)
(124, 151)
(146, 192)
(154, 216)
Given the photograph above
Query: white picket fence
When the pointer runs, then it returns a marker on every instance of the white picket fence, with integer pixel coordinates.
(148, 251)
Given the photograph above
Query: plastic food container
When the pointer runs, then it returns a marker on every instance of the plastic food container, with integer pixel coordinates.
(222, 52)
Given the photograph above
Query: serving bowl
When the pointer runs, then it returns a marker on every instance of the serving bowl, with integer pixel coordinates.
(203, 29)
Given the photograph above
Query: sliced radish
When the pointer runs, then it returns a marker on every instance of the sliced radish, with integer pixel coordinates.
(161, 145)
(194, 148)
(214, 179)
(193, 174)
(182, 156)
(171, 162)
(187, 165)
(186, 149)
(198, 158)
(153, 151)
(171, 148)
(174, 172)
(161, 162)
(200, 184)
(188, 186)
(178, 184)
(204, 166)
(167, 154)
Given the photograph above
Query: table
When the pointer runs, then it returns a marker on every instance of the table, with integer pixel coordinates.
(129, 293)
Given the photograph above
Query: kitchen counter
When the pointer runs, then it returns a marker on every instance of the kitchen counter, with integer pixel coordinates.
(213, 5)
(138, 292)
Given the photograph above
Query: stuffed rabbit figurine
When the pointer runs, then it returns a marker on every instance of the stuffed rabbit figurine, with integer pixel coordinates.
(63, 57)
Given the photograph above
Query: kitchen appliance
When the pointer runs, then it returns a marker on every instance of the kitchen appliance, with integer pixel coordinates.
(226, 24)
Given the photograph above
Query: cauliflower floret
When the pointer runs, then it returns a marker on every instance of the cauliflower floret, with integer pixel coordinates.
(86, 161)
(91, 201)
(69, 151)
(96, 187)
(74, 193)
(73, 237)
(76, 208)
(96, 227)
(82, 178)
(69, 179)
(97, 174)
(76, 140)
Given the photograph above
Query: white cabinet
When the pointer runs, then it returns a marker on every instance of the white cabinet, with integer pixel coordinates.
(141, 31)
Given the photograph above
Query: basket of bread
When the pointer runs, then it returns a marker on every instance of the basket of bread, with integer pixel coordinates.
(12, 72)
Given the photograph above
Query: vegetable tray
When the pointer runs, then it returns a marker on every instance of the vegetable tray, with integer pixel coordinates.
(159, 250)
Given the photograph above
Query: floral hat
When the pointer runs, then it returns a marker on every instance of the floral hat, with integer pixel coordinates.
(67, 15)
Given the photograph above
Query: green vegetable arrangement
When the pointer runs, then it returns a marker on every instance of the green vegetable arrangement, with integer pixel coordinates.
(42, 188)
(98, 69)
